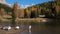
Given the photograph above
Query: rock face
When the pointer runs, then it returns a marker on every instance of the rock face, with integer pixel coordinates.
(2, 1)
(4, 5)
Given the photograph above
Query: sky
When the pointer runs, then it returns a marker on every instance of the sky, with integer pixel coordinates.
(26, 2)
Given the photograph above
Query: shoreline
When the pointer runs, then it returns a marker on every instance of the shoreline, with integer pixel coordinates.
(28, 19)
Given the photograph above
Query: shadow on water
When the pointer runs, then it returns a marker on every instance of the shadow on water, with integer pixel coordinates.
(54, 22)
(52, 27)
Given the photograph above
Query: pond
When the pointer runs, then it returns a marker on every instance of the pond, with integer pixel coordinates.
(51, 27)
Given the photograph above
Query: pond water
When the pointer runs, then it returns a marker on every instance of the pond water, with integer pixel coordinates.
(52, 27)
(43, 29)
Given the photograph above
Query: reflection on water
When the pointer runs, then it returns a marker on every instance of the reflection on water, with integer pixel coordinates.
(52, 27)
(43, 29)
(5, 23)
(37, 28)
(29, 29)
